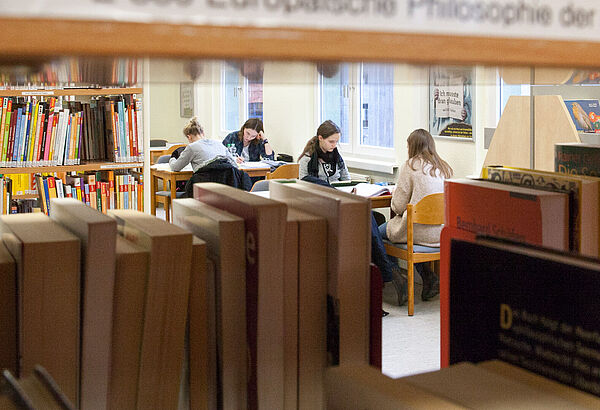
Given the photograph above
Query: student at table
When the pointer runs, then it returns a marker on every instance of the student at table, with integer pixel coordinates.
(422, 174)
(200, 151)
(250, 142)
(321, 158)
(321, 163)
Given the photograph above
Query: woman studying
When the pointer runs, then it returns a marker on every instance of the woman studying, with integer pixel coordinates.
(200, 151)
(321, 159)
(422, 174)
(250, 142)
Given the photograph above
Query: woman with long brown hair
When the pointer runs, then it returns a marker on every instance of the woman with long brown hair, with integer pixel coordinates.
(250, 141)
(320, 158)
(422, 174)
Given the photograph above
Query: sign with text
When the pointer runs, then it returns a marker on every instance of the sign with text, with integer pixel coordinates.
(545, 19)
(451, 101)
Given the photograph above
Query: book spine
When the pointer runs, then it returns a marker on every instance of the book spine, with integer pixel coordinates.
(3, 123)
(6, 136)
(139, 127)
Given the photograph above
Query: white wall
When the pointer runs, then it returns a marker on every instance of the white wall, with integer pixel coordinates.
(289, 105)
(163, 101)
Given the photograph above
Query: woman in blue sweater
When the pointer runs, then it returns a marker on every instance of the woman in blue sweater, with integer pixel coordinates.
(250, 142)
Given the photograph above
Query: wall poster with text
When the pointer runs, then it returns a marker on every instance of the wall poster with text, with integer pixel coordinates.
(451, 101)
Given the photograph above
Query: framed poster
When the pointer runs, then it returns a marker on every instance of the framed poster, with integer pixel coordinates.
(186, 99)
(451, 102)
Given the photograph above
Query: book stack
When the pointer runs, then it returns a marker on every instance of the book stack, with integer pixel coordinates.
(48, 132)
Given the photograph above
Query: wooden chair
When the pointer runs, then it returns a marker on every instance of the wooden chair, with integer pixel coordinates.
(286, 171)
(163, 197)
(428, 211)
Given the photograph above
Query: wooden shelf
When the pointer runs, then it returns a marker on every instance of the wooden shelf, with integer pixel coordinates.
(71, 91)
(92, 166)
(25, 196)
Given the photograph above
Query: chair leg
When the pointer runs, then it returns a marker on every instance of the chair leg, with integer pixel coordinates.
(167, 205)
(411, 287)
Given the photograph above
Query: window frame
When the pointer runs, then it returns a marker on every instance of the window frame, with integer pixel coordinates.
(354, 91)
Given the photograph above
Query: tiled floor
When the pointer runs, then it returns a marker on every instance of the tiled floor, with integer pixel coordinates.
(411, 344)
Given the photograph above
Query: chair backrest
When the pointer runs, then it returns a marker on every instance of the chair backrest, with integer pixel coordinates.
(173, 148)
(287, 171)
(163, 159)
(158, 142)
(260, 185)
(428, 211)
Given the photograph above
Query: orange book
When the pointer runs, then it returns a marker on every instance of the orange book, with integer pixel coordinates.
(51, 187)
(511, 212)
(104, 193)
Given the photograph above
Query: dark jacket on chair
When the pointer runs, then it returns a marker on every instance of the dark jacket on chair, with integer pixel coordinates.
(219, 171)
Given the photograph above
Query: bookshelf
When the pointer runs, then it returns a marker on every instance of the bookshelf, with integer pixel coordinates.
(74, 91)
(92, 130)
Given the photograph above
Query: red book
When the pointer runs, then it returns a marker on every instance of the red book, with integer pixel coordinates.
(506, 211)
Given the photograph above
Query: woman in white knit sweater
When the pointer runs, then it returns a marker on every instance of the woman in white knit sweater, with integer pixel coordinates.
(422, 174)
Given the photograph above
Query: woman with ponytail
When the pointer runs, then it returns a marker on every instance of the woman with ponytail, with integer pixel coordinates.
(200, 151)
(321, 159)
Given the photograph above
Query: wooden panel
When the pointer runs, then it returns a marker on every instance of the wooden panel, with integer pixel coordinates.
(552, 124)
(27, 39)
(510, 145)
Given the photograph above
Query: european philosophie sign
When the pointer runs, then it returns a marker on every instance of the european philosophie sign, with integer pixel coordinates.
(544, 19)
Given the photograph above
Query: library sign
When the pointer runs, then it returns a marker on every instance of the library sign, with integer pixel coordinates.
(544, 19)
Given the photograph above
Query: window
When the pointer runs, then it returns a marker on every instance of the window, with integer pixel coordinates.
(508, 90)
(241, 96)
(359, 98)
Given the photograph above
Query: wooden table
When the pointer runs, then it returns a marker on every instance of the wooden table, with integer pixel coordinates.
(381, 201)
(170, 179)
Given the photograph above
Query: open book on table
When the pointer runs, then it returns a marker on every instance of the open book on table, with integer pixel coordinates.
(367, 190)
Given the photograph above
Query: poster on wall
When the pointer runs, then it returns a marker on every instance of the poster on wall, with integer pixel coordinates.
(451, 102)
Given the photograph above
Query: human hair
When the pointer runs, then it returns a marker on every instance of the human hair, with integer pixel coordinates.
(255, 124)
(325, 130)
(193, 127)
(421, 145)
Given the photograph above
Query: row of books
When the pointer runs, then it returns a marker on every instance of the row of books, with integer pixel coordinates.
(268, 306)
(101, 190)
(305, 305)
(75, 71)
(54, 132)
(530, 285)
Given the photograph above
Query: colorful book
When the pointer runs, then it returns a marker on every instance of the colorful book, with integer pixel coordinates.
(584, 201)
(585, 114)
(577, 158)
(511, 212)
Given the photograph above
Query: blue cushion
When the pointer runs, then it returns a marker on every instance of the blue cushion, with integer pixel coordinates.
(179, 194)
(416, 248)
